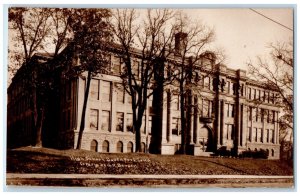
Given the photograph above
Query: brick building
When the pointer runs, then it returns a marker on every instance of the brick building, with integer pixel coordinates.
(233, 111)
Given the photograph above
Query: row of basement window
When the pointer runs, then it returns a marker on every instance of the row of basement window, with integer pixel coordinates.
(120, 148)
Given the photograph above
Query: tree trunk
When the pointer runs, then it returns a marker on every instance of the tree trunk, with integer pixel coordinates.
(38, 142)
(137, 122)
(82, 122)
(183, 120)
(137, 139)
(35, 119)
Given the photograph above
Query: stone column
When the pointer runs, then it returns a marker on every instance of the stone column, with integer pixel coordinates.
(192, 121)
(219, 123)
(196, 121)
(263, 126)
(169, 118)
(277, 128)
(244, 125)
(222, 122)
(113, 109)
(164, 119)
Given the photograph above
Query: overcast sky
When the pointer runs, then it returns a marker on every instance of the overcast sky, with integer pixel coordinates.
(244, 34)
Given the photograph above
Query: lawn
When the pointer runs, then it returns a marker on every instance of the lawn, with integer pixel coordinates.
(45, 160)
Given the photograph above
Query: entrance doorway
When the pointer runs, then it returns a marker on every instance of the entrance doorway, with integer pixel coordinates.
(206, 139)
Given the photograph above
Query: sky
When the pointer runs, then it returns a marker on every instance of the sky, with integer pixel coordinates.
(244, 34)
(241, 33)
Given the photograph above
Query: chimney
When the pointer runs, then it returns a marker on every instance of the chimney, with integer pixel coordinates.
(180, 41)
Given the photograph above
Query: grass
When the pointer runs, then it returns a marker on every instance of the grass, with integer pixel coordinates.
(43, 160)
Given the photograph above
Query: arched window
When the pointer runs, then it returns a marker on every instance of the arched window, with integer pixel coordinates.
(94, 146)
(130, 147)
(272, 151)
(143, 147)
(268, 152)
(255, 149)
(105, 146)
(119, 146)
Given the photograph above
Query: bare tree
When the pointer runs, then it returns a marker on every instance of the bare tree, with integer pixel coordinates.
(38, 30)
(192, 40)
(153, 40)
(91, 35)
(277, 73)
(32, 27)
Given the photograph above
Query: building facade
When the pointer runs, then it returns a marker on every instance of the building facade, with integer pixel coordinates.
(230, 111)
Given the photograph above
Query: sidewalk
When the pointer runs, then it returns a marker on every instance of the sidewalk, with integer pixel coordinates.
(192, 181)
(125, 176)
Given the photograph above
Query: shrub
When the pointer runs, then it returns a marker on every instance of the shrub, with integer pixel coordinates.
(261, 154)
(223, 152)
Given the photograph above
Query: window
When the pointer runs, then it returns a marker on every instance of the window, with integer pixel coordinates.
(273, 117)
(272, 138)
(105, 146)
(228, 87)
(230, 110)
(255, 115)
(249, 134)
(119, 146)
(129, 122)
(207, 82)
(94, 114)
(249, 93)
(258, 115)
(105, 121)
(259, 135)
(136, 68)
(255, 134)
(271, 97)
(120, 93)
(267, 97)
(105, 91)
(94, 146)
(176, 102)
(267, 135)
(143, 127)
(149, 125)
(120, 121)
(272, 152)
(234, 88)
(259, 98)
(116, 64)
(250, 113)
(143, 147)
(130, 147)
(262, 114)
(242, 90)
(206, 108)
(94, 89)
(175, 126)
